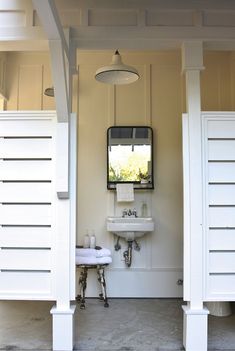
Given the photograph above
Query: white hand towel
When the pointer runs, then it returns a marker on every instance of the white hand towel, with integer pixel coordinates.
(125, 192)
(93, 260)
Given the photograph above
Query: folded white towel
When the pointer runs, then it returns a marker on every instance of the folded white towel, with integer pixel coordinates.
(125, 192)
(93, 252)
(103, 253)
(93, 260)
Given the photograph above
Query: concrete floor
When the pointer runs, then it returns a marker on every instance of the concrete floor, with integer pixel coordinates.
(127, 325)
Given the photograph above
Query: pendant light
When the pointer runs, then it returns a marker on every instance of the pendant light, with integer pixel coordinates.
(117, 72)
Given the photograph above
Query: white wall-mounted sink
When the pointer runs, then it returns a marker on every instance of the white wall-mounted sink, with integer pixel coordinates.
(130, 227)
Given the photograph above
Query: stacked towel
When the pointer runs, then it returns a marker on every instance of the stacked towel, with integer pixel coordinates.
(93, 256)
(93, 252)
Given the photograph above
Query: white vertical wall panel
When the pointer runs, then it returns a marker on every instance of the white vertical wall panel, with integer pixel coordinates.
(219, 205)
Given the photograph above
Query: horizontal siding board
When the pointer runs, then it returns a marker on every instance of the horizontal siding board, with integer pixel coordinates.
(223, 128)
(222, 262)
(25, 192)
(222, 217)
(221, 172)
(222, 285)
(25, 283)
(14, 128)
(26, 237)
(222, 239)
(221, 194)
(25, 214)
(221, 149)
(25, 170)
(19, 259)
(25, 148)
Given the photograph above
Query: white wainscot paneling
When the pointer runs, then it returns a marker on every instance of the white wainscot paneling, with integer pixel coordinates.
(25, 170)
(222, 217)
(221, 172)
(25, 214)
(221, 194)
(14, 236)
(22, 128)
(25, 285)
(25, 148)
(221, 286)
(25, 259)
(222, 262)
(222, 239)
(25, 192)
(221, 150)
(221, 128)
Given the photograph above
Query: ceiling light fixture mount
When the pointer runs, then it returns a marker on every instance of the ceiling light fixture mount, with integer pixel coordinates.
(117, 72)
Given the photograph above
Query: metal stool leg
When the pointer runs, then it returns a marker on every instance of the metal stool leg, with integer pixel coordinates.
(82, 287)
(78, 297)
(101, 279)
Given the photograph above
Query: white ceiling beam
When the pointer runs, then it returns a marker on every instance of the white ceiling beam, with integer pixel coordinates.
(49, 18)
(21, 33)
(148, 4)
(60, 80)
(151, 38)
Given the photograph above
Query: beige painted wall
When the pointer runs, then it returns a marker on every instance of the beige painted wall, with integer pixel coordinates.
(27, 76)
(157, 100)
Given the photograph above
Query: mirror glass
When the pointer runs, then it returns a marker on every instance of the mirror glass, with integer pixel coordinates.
(130, 157)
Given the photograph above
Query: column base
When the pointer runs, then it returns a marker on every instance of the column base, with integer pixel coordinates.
(63, 329)
(195, 329)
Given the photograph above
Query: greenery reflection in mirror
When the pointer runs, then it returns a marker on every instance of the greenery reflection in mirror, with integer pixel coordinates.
(130, 156)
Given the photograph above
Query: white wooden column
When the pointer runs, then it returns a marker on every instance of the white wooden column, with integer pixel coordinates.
(195, 316)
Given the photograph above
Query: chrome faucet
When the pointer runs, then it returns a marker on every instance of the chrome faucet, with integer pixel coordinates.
(129, 213)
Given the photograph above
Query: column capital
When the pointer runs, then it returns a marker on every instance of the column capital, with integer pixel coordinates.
(192, 55)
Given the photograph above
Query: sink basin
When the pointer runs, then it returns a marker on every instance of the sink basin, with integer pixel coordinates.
(130, 227)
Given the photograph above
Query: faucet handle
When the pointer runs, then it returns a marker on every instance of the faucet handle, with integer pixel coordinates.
(134, 212)
(124, 212)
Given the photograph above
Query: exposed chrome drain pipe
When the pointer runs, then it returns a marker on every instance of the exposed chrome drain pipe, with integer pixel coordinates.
(128, 254)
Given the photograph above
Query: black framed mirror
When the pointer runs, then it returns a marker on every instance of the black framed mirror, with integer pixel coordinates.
(130, 156)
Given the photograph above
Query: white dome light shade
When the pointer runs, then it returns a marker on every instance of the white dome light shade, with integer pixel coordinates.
(117, 73)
